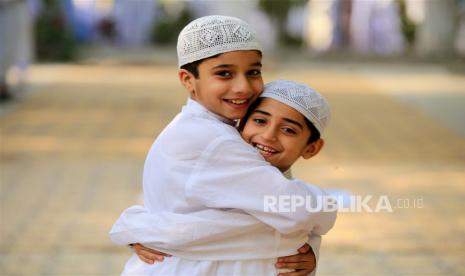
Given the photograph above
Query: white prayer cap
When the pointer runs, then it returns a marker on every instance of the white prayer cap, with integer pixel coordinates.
(302, 98)
(214, 34)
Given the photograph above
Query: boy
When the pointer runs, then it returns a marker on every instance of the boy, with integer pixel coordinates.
(199, 165)
(281, 125)
(286, 123)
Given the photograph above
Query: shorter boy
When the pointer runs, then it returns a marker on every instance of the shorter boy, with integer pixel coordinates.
(283, 124)
(286, 123)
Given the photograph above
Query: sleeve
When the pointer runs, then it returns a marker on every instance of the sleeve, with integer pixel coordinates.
(314, 241)
(229, 174)
(209, 233)
(189, 232)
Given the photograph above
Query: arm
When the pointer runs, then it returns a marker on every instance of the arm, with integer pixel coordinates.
(166, 230)
(138, 218)
(195, 232)
(304, 263)
(230, 174)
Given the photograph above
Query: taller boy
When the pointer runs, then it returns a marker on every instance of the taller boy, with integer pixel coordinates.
(199, 163)
(220, 62)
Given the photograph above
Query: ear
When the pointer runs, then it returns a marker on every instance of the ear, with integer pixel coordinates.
(313, 149)
(187, 80)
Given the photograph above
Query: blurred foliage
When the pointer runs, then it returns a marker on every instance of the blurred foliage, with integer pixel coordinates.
(53, 38)
(291, 40)
(167, 28)
(407, 25)
(279, 10)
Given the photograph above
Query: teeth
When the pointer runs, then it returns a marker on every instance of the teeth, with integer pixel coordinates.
(265, 148)
(238, 101)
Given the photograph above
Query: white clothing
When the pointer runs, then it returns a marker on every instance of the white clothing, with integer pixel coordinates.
(375, 27)
(203, 194)
(207, 235)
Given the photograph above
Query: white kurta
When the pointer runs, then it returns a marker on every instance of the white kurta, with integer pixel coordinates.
(203, 194)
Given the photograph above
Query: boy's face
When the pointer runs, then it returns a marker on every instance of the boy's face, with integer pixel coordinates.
(280, 134)
(227, 84)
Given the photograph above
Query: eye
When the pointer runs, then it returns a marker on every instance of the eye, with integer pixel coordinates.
(224, 74)
(259, 121)
(289, 131)
(254, 72)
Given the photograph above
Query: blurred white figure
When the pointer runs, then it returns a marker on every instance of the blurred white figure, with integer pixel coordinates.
(436, 32)
(296, 19)
(86, 15)
(15, 41)
(134, 21)
(375, 27)
(415, 10)
(267, 33)
(320, 25)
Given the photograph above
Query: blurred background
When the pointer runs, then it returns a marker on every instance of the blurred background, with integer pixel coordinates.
(86, 85)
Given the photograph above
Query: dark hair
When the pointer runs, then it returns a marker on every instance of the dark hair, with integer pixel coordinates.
(193, 67)
(314, 133)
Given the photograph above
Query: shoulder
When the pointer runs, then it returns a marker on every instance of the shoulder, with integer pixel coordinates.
(190, 136)
(204, 130)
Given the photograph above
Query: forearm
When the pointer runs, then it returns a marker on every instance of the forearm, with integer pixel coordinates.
(178, 231)
(209, 234)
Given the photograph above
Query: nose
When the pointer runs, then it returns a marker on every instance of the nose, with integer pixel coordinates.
(242, 85)
(269, 133)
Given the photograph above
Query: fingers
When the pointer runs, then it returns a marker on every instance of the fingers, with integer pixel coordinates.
(301, 257)
(305, 248)
(145, 260)
(160, 253)
(146, 254)
(300, 265)
(139, 246)
(296, 258)
(148, 257)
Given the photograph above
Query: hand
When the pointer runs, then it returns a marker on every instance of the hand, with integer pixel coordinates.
(148, 255)
(303, 263)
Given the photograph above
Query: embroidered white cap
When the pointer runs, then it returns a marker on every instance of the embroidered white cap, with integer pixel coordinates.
(214, 34)
(302, 98)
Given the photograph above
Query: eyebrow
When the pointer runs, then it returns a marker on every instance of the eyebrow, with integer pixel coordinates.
(285, 119)
(259, 64)
(262, 112)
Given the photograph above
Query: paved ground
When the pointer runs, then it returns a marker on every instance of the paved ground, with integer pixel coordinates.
(72, 153)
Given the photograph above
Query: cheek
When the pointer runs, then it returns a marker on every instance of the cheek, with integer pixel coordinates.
(248, 132)
(245, 134)
(293, 147)
(212, 85)
(258, 86)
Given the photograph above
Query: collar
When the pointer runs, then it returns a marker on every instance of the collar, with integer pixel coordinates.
(192, 105)
(288, 174)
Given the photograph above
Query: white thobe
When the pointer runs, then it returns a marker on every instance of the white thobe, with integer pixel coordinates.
(204, 191)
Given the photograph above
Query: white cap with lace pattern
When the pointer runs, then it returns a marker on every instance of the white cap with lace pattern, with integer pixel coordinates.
(214, 34)
(302, 98)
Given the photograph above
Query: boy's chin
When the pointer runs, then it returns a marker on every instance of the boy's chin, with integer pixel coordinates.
(268, 159)
(235, 117)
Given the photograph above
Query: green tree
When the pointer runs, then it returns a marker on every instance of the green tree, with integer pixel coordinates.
(53, 38)
(278, 10)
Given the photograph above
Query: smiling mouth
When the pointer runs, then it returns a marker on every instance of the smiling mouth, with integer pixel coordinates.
(266, 151)
(238, 103)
